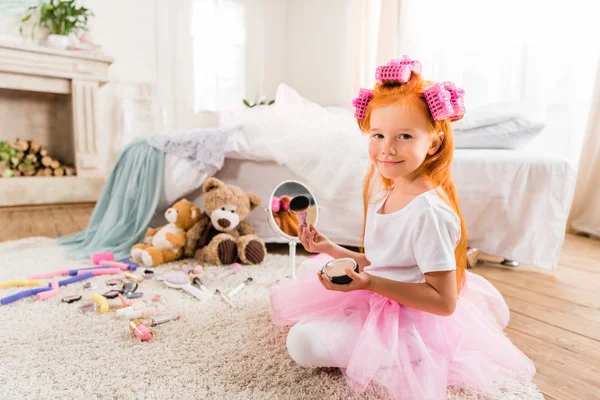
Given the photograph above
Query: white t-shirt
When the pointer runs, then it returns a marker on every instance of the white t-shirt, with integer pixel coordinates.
(406, 244)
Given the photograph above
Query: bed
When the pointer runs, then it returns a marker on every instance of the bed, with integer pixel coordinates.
(515, 203)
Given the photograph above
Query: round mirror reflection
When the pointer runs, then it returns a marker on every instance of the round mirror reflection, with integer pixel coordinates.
(291, 204)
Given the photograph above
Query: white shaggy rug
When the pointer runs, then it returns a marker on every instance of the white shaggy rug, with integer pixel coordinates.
(51, 351)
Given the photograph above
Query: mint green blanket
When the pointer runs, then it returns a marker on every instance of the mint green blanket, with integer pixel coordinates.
(128, 201)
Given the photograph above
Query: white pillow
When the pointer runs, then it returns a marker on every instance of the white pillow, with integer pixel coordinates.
(508, 134)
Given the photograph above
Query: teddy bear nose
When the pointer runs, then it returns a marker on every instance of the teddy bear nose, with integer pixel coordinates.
(224, 222)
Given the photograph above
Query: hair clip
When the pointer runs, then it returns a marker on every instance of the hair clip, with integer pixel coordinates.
(397, 70)
(361, 102)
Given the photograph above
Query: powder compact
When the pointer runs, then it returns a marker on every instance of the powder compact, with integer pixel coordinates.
(336, 270)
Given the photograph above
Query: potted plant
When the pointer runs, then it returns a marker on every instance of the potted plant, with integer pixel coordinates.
(60, 17)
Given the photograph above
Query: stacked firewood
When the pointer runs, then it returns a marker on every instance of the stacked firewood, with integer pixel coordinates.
(29, 158)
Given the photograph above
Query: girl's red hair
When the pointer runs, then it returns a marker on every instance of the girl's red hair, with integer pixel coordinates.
(437, 167)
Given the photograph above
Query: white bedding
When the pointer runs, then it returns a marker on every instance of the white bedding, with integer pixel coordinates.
(515, 203)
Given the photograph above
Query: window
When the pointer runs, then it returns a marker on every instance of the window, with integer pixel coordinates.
(219, 38)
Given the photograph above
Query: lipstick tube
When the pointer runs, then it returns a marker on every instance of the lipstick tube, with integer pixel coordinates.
(140, 330)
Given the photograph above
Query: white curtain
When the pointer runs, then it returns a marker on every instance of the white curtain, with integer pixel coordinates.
(372, 40)
(538, 55)
(585, 213)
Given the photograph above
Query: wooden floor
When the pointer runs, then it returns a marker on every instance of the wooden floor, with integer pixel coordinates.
(555, 317)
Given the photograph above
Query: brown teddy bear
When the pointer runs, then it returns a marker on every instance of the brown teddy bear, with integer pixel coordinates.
(165, 244)
(223, 235)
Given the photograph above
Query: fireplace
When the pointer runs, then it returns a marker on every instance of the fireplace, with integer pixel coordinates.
(49, 97)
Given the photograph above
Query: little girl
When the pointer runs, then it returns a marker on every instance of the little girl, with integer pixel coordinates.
(412, 319)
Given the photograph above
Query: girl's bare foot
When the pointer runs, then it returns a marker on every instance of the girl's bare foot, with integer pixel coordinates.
(327, 369)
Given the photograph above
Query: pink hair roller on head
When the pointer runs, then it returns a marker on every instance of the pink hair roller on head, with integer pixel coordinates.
(397, 70)
(456, 100)
(361, 102)
(107, 256)
(438, 100)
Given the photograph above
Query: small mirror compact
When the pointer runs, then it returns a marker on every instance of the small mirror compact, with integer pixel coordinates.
(335, 270)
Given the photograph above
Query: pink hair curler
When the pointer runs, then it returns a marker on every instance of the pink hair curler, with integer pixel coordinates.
(456, 99)
(397, 70)
(115, 264)
(275, 203)
(50, 293)
(438, 100)
(102, 271)
(47, 275)
(106, 256)
(361, 102)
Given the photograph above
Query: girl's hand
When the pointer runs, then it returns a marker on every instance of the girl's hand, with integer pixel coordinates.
(360, 281)
(312, 240)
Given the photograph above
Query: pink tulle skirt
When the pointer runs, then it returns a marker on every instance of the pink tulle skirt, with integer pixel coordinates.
(414, 354)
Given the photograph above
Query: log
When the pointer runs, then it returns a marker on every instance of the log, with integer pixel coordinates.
(55, 164)
(22, 145)
(59, 172)
(69, 171)
(34, 146)
(39, 172)
(32, 157)
(46, 161)
(20, 155)
(43, 152)
(29, 173)
(16, 173)
(48, 171)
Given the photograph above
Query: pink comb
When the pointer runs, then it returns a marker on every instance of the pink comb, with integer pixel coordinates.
(456, 100)
(361, 102)
(397, 70)
(438, 100)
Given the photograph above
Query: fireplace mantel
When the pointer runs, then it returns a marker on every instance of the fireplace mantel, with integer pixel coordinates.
(36, 68)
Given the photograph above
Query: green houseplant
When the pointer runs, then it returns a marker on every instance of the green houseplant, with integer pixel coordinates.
(60, 17)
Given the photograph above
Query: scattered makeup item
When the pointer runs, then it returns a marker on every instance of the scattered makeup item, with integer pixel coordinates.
(87, 285)
(49, 293)
(299, 205)
(101, 271)
(88, 308)
(130, 287)
(134, 307)
(22, 294)
(134, 277)
(115, 264)
(180, 280)
(198, 283)
(224, 297)
(134, 295)
(8, 284)
(132, 266)
(111, 294)
(143, 313)
(140, 330)
(238, 288)
(224, 272)
(158, 299)
(75, 278)
(148, 274)
(50, 275)
(71, 299)
(164, 319)
(113, 282)
(335, 270)
(101, 302)
(103, 256)
(198, 269)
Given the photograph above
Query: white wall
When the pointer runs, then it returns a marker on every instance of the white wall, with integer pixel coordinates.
(317, 50)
